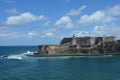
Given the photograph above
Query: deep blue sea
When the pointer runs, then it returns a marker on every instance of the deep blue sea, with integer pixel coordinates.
(20, 67)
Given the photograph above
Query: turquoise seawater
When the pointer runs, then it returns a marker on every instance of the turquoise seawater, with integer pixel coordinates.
(56, 68)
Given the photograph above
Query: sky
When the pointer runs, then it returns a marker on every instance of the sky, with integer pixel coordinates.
(36, 22)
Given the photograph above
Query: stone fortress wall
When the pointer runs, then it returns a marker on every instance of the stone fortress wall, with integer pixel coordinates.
(74, 43)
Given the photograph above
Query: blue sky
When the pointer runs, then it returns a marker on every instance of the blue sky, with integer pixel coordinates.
(34, 22)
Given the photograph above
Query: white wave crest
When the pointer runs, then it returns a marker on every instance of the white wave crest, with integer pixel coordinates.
(14, 57)
(19, 56)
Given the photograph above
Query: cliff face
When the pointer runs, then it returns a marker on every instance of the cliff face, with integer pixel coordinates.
(51, 49)
(82, 46)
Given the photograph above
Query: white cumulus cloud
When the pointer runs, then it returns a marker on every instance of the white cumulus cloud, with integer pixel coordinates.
(97, 17)
(64, 22)
(100, 30)
(75, 12)
(101, 16)
(48, 33)
(114, 11)
(23, 18)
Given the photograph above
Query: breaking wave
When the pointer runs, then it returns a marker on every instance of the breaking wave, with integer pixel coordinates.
(17, 56)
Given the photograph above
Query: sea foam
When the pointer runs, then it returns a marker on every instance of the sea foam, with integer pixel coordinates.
(18, 56)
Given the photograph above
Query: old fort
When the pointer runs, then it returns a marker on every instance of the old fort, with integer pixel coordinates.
(81, 46)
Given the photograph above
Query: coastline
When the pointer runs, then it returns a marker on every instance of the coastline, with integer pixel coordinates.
(87, 55)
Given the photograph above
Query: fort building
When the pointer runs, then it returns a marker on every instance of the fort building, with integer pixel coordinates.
(81, 45)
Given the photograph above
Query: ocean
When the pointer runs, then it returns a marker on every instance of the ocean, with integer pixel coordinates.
(20, 67)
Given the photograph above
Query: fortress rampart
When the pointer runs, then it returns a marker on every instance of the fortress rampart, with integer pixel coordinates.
(81, 45)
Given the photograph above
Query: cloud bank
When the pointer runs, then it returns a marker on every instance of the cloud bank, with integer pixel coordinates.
(23, 18)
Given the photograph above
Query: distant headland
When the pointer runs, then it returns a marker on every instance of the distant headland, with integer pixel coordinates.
(81, 46)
